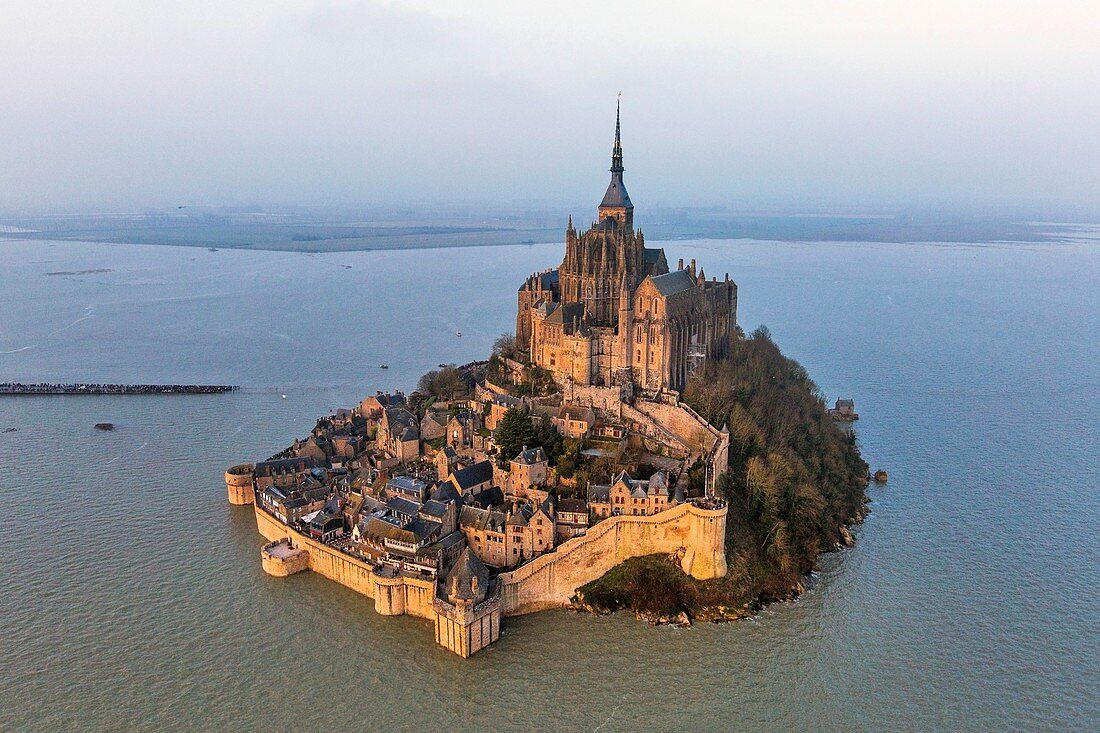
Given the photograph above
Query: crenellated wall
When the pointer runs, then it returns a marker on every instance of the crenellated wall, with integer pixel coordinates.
(549, 581)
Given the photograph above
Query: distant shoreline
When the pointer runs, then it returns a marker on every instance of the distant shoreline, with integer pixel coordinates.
(316, 236)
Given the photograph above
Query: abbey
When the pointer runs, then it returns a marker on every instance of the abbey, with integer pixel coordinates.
(613, 314)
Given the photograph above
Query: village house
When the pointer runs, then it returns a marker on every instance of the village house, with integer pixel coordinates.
(283, 472)
(403, 542)
(434, 425)
(571, 519)
(446, 460)
(372, 407)
(291, 504)
(537, 522)
(574, 421)
(499, 404)
(629, 496)
(473, 479)
(462, 428)
(407, 487)
(399, 434)
(444, 512)
(325, 524)
(485, 536)
(529, 468)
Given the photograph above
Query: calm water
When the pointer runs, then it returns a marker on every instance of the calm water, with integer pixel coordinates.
(132, 596)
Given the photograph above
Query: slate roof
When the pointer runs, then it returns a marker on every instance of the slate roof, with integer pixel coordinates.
(616, 194)
(282, 465)
(399, 416)
(460, 581)
(470, 476)
(434, 508)
(531, 456)
(566, 313)
(673, 282)
(474, 518)
(379, 528)
(407, 485)
(414, 532)
(545, 280)
(401, 505)
(573, 506)
(490, 497)
(599, 493)
(519, 517)
(573, 412)
(445, 492)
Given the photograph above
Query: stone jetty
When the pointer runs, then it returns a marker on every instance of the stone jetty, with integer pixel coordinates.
(16, 388)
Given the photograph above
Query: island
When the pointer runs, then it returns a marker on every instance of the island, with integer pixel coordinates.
(627, 446)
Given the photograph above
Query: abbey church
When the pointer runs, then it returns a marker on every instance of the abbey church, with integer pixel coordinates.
(613, 313)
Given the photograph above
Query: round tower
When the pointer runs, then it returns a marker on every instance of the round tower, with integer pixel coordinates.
(239, 483)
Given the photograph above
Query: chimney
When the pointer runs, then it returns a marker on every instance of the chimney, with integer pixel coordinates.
(680, 264)
(692, 268)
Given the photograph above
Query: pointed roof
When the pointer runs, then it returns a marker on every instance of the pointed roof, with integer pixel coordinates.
(616, 195)
(468, 579)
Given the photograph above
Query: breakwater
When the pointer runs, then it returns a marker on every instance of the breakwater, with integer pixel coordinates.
(16, 388)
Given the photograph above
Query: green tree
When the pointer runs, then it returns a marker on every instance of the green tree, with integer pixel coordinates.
(515, 431)
(550, 439)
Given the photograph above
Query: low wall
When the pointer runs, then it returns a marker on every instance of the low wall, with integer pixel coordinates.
(392, 596)
(281, 565)
(692, 430)
(550, 580)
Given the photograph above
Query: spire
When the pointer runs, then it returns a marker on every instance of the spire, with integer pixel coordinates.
(616, 202)
(617, 149)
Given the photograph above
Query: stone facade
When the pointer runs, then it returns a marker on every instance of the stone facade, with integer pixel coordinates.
(612, 312)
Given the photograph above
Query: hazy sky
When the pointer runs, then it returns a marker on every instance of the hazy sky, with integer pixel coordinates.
(116, 105)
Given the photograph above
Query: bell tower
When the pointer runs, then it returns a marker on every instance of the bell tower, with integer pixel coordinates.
(616, 204)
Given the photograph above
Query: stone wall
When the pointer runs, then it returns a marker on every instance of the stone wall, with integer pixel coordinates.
(550, 580)
(392, 596)
(688, 427)
(605, 399)
(238, 482)
(282, 564)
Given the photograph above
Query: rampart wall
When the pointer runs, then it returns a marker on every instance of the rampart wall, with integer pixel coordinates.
(549, 581)
(392, 596)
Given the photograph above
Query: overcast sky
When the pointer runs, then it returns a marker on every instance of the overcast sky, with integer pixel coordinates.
(116, 105)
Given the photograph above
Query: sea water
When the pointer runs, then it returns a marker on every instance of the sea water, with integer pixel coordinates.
(131, 594)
